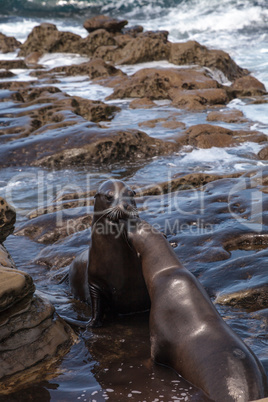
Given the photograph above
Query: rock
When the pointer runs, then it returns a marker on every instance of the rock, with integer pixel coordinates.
(182, 183)
(104, 22)
(96, 68)
(12, 64)
(33, 340)
(162, 35)
(141, 49)
(15, 85)
(151, 123)
(93, 110)
(165, 83)
(53, 109)
(62, 253)
(40, 39)
(107, 148)
(263, 154)
(14, 286)
(192, 52)
(46, 38)
(7, 219)
(207, 136)
(228, 116)
(63, 202)
(133, 31)
(97, 39)
(32, 337)
(248, 86)
(147, 46)
(33, 58)
(171, 124)
(6, 74)
(5, 259)
(8, 43)
(52, 227)
(79, 142)
(198, 99)
(142, 103)
(251, 299)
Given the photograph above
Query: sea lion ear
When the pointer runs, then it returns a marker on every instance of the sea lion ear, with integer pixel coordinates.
(96, 195)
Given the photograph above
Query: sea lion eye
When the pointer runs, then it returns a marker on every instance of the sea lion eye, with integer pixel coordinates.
(109, 197)
(131, 193)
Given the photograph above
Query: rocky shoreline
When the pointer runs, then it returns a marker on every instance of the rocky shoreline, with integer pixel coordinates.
(42, 126)
(33, 338)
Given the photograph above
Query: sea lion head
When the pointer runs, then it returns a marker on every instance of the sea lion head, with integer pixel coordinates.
(114, 201)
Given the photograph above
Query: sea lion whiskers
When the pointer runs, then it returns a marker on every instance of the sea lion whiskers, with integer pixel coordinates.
(116, 213)
(105, 213)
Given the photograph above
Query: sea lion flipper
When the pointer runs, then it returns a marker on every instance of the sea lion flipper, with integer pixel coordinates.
(96, 306)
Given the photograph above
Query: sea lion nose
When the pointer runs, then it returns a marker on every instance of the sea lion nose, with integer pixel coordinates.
(125, 205)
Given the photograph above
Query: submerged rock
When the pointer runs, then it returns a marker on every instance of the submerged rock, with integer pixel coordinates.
(228, 116)
(47, 108)
(55, 226)
(70, 138)
(73, 142)
(252, 299)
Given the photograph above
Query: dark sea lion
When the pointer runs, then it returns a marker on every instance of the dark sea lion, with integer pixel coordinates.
(187, 333)
(112, 278)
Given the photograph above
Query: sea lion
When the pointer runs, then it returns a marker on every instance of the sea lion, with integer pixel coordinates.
(112, 277)
(186, 331)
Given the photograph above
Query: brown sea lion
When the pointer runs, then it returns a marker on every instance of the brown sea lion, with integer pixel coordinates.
(187, 333)
(111, 277)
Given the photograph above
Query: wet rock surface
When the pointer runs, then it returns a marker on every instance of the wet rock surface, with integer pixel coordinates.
(228, 116)
(7, 219)
(32, 337)
(96, 68)
(207, 136)
(162, 83)
(192, 52)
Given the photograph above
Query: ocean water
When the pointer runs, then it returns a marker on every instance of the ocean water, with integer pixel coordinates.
(236, 26)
